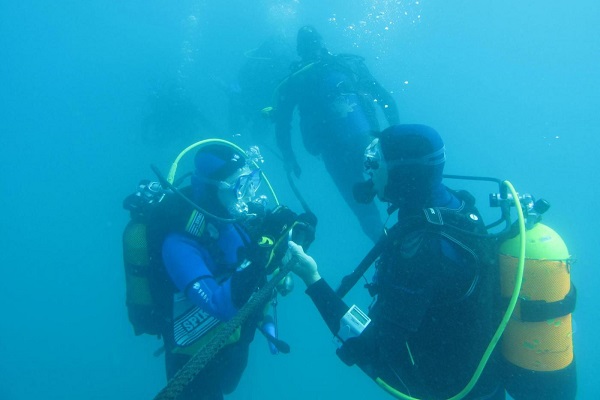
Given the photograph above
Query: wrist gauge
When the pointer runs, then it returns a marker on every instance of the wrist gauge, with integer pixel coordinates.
(352, 323)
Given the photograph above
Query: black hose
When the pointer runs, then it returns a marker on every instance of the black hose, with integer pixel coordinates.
(297, 193)
(351, 279)
(166, 184)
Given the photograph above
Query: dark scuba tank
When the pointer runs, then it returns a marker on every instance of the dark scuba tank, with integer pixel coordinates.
(140, 258)
(139, 299)
(537, 345)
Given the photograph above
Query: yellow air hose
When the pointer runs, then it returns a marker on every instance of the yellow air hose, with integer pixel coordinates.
(202, 143)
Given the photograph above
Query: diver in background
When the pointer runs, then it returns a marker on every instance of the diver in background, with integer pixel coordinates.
(435, 286)
(263, 70)
(171, 114)
(336, 97)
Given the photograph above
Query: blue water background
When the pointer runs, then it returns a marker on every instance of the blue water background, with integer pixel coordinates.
(512, 86)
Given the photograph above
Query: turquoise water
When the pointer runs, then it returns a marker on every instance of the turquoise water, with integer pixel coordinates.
(512, 87)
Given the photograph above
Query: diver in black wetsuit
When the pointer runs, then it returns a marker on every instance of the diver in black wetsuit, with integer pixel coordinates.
(434, 284)
(336, 97)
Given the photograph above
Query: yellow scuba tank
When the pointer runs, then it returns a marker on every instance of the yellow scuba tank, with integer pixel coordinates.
(537, 345)
(536, 330)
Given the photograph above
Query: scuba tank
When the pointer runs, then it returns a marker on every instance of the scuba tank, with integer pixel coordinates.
(537, 345)
(147, 286)
(137, 264)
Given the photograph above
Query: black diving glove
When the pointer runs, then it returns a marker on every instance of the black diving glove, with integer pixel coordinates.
(303, 231)
(277, 222)
(269, 238)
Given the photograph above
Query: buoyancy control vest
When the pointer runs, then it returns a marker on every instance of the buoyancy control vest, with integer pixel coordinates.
(329, 90)
(464, 299)
(463, 226)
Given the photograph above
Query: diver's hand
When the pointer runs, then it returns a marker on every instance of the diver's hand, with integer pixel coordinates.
(302, 264)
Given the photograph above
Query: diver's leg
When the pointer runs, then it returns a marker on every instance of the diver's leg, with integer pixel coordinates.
(235, 357)
(204, 386)
(345, 165)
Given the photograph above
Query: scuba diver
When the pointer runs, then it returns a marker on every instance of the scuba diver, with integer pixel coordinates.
(217, 244)
(336, 97)
(263, 70)
(435, 282)
(171, 114)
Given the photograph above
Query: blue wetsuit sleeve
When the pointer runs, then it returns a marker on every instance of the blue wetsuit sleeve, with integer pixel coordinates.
(186, 264)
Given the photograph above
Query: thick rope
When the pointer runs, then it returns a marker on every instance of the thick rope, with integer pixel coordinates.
(199, 361)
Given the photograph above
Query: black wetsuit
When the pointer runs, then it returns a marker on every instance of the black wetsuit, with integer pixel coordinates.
(434, 314)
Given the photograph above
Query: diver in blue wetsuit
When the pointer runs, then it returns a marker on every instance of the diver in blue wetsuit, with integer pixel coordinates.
(335, 96)
(215, 265)
(434, 284)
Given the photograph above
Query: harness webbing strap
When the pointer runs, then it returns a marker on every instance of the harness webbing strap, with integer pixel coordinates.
(351, 279)
(540, 310)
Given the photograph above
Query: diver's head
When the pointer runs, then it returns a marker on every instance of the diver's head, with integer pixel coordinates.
(224, 180)
(405, 165)
(309, 43)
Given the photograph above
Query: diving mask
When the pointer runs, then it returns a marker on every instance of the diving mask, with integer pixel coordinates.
(244, 189)
(372, 159)
(364, 192)
(245, 185)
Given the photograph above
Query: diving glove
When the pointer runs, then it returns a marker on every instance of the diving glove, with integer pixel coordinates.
(303, 231)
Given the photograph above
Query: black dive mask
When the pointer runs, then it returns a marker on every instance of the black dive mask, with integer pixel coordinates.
(364, 192)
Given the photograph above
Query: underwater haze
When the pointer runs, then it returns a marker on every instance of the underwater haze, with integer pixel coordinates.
(93, 92)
